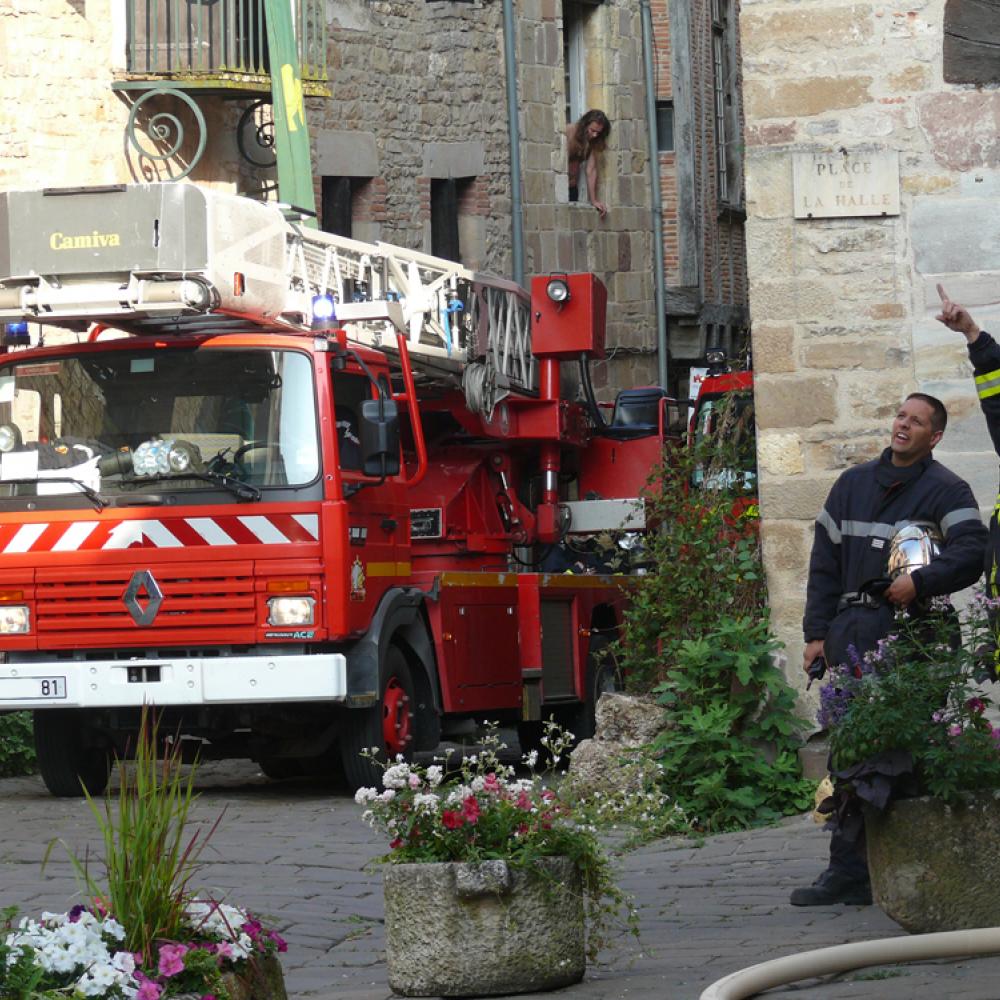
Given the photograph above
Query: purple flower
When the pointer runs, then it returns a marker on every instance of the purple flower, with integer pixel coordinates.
(76, 913)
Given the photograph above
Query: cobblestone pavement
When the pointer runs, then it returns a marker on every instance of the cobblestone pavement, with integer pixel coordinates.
(297, 852)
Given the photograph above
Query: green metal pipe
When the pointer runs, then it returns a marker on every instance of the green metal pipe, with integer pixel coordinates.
(514, 139)
(659, 281)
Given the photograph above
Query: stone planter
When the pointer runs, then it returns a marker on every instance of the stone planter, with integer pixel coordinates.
(936, 867)
(485, 929)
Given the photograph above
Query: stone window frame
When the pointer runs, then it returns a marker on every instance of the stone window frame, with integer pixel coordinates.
(580, 28)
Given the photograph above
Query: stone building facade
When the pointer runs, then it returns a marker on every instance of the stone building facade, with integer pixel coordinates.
(411, 139)
(843, 305)
(418, 100)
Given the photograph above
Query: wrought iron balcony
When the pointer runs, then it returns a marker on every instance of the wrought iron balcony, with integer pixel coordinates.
(217, 46)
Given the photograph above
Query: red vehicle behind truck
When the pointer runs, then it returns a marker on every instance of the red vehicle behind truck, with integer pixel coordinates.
(297, 535)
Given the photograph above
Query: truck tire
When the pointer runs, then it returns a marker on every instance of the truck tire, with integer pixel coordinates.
(603, 675)
(69, 764)
(388, 725)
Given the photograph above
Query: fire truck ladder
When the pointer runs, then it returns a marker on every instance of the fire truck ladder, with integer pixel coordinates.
(176, 258)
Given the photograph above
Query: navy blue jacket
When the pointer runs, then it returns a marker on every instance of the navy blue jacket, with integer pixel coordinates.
(852, 541)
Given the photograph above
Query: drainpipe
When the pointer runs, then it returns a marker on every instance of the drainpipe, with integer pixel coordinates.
(659, 283)
(514, 140)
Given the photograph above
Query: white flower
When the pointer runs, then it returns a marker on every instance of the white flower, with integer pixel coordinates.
(387, 796)
(365, 795)
(531, 759)
(425, 802)
(435, 775)
(396, 776)
(415, 781)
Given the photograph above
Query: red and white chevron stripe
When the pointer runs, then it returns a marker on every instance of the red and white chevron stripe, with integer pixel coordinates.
(167, 533)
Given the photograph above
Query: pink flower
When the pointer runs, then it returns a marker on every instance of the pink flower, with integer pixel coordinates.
(976, 705)
(470, 809)
(451, 819)
(149, 991)
(491, 783)
(955, 729)
(396, 843)
(224, 949)
(548, 795)
(414, 780)
(523, 801)
(279, 942)
(172, 959)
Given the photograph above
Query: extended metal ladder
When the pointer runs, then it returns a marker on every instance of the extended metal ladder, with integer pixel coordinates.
(175, 258)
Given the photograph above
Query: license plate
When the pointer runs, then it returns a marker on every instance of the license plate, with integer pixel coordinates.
(32, 688)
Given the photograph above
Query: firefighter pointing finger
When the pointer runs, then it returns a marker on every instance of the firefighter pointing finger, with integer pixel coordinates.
(984, 353)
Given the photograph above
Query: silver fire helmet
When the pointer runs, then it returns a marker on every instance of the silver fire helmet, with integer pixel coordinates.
(913, 546)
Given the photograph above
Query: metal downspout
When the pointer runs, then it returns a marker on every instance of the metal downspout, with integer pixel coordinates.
(659, 282)
(514, 139)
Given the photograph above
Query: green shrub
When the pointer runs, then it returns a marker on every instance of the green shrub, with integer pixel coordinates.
(17, 745)
(697, 636)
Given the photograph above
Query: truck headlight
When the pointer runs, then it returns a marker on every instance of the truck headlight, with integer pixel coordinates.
(291, 611)
(15, 619)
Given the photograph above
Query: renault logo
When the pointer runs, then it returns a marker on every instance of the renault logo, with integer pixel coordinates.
(143, 585)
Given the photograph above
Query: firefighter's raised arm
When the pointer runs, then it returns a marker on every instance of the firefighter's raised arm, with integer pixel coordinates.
(956, 317)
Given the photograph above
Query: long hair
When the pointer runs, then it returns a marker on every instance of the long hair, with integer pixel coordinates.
(580, 132)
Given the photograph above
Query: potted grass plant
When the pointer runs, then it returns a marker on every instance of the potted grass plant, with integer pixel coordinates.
(143, 931)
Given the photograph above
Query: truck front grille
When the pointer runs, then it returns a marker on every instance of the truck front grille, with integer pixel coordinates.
(196, 602)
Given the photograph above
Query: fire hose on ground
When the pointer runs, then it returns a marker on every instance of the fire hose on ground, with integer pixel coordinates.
(755, 979)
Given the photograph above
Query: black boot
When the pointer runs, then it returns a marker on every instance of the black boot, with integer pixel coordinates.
(834, 887)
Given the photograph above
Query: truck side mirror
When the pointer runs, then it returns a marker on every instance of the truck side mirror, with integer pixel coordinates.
(379, 435)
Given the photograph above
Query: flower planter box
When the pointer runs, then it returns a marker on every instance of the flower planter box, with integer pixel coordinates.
(936, 867)
(456, 929)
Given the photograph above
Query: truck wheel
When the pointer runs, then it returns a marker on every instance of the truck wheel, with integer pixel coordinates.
(603, 675)
(388, 725)
(68, 764)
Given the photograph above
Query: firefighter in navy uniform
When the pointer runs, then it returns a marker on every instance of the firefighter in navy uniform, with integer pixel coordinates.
(846, 613)
(984, 353)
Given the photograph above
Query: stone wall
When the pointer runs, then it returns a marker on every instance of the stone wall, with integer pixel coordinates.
(843, 308)
(414, 76)
(60, 122)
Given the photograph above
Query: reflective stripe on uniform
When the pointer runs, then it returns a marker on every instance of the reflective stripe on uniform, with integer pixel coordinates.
(958, 517)
(988, 385)
(830, 525)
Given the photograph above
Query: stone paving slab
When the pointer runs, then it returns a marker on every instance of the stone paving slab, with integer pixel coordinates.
(298, 853)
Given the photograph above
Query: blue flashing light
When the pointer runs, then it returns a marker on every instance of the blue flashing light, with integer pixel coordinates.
(323, 309)
(16, 334)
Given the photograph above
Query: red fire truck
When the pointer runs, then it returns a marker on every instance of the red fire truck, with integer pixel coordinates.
(298, 529)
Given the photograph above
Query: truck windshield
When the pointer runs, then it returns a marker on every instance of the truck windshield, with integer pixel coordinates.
(123, 421)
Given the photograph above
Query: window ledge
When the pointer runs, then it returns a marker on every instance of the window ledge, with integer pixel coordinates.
(732, 213)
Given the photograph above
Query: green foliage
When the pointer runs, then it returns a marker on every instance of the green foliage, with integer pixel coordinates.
(703, 560)
(696, 634)
(17, 747)
(916, 694)
(149, 855)
(729, 755)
